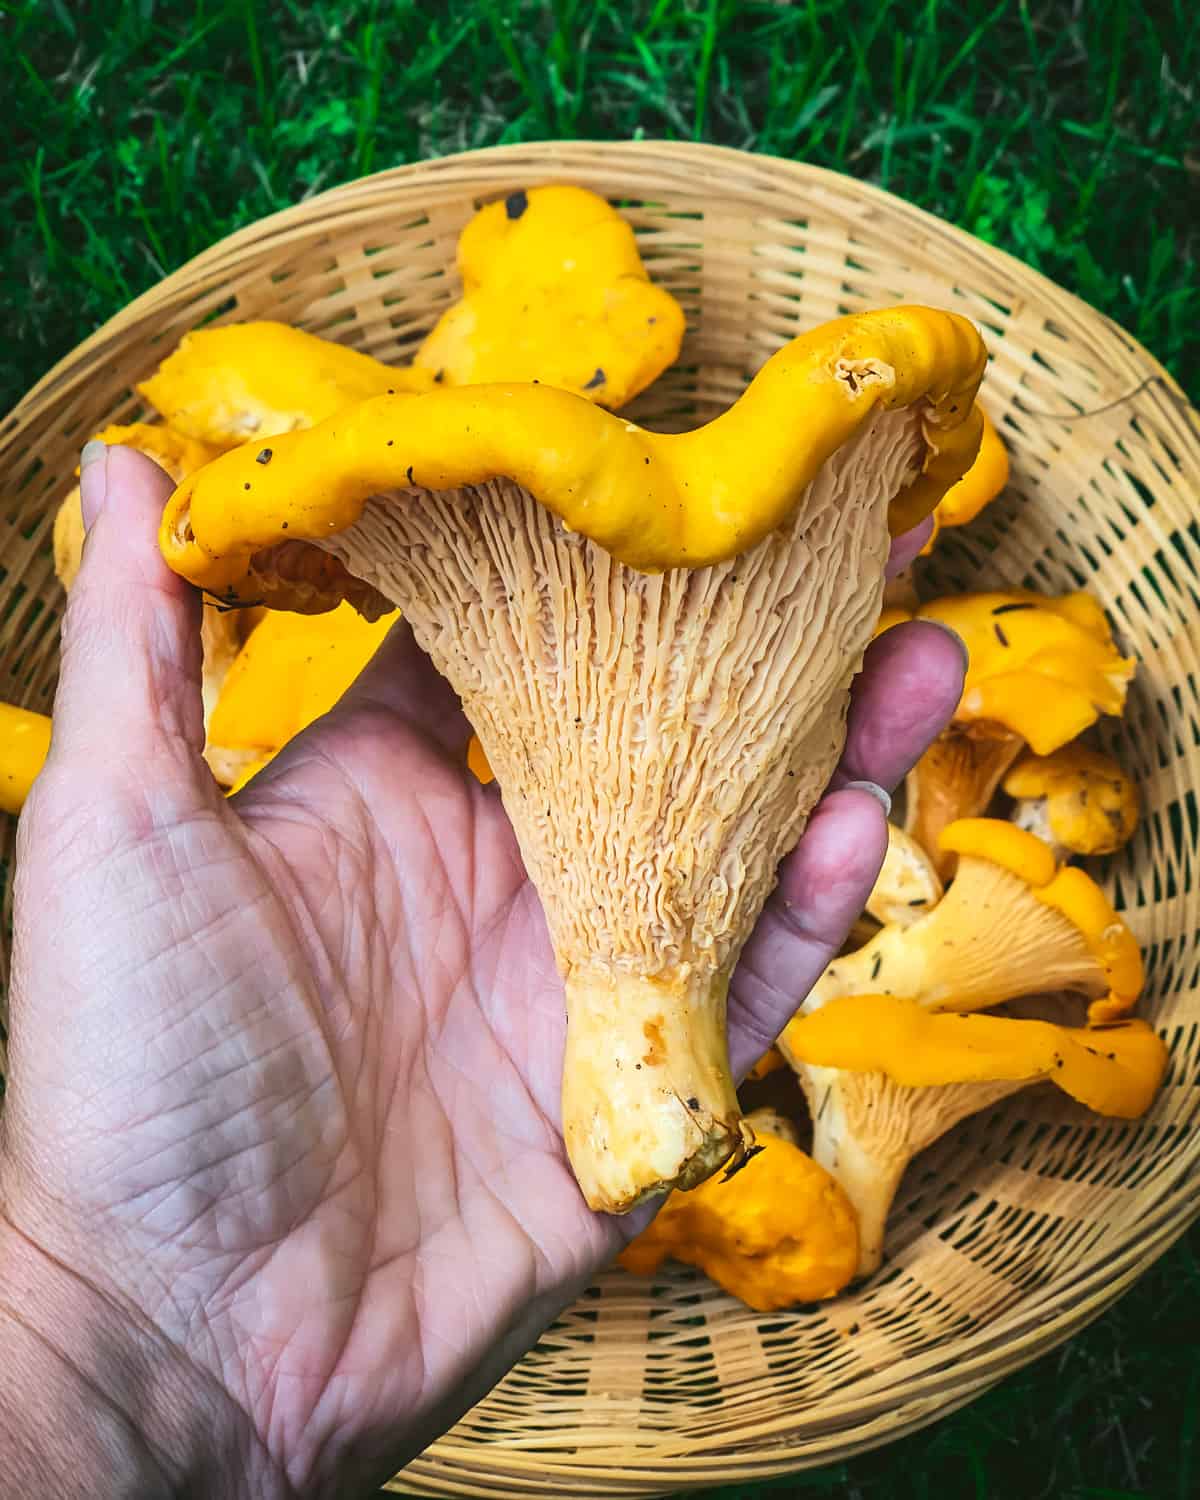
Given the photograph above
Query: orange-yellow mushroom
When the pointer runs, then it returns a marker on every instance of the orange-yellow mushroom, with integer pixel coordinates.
(779, 1231)
(1079, 801)
(554, 290)
(885, 1077)
(605, 599)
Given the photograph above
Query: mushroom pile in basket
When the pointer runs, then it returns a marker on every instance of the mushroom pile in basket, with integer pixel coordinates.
(654, 636)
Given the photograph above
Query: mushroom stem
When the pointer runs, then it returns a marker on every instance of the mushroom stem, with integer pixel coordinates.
(648, 1098)
(869, 1171)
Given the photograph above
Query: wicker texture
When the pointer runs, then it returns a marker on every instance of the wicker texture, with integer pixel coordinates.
(1027, 1221)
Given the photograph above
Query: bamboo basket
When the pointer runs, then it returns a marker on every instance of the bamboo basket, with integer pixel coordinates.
(1029, 1220)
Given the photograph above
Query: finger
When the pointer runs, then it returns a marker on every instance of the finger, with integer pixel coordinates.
(401, 679)
(823, 886)
(129, 681)
(907, 547)
(909, 686)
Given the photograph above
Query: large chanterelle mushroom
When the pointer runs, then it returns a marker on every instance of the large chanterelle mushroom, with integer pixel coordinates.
(654, 637)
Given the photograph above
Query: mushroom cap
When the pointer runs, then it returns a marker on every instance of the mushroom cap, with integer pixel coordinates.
(1041, 667)
(1040, 671)
(291, 670)
(226, 384)
(655, 501)
(554, 290)
(24, 745)
(777, 1232)
(980, 485)
(1071, 893)
(1076, 798)
(1113, 1069)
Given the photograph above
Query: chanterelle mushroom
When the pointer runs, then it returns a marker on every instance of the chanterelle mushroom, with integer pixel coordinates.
(1079, 801)
(778, 1232)
(659, 678)
(1011, 924)
(1041, 670)
(241, 380)
(884, 1078)
(554, 290)
(290, 670)
(978, 487)
(24, 745)
(907, 885)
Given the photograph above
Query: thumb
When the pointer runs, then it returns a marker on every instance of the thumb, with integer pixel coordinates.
(129, 681)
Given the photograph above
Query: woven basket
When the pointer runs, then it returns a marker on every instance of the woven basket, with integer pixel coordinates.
(1028, 1221)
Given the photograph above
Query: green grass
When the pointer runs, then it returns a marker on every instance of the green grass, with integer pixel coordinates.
(141, 131)
(137, 133)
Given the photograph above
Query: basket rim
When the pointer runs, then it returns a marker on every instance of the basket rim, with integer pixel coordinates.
(938, 1385)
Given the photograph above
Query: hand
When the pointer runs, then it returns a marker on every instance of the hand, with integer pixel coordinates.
(282, 1131)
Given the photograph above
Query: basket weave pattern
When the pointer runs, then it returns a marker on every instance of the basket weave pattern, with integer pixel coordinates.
(1027, 1221)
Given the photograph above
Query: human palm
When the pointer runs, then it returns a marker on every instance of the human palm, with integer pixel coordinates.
(285, 1069)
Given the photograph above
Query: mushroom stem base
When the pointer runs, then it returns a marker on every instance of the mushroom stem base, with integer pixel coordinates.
(648, 1099)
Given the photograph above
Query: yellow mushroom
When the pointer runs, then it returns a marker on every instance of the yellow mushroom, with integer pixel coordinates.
(24, 745)
(554, 290)
(477, 762)
(1012, 923)
(1077, 800)
(226, 384)
(779, 1231)
(980, 485)
(907, 885)
(290, 671)
(884, 1078)
(1041, 670)
(699, 608)
(770, 1062)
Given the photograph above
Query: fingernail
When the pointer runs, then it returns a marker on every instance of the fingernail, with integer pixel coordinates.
(955, 637)
(872, 789)
(93, 480)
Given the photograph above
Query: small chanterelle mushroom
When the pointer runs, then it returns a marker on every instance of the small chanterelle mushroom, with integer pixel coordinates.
(884, 1078)
(290, 670)
(1012, 923)
(980, 485)
(554, 290)
(1041, 671)
(239, 380)
(24, 745)
(779, 1231)
(1079, 801)
(654, 637)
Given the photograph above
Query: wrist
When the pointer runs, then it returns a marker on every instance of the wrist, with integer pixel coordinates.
(93, 1402)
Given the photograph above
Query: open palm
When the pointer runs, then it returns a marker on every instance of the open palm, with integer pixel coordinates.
(285, 1069)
